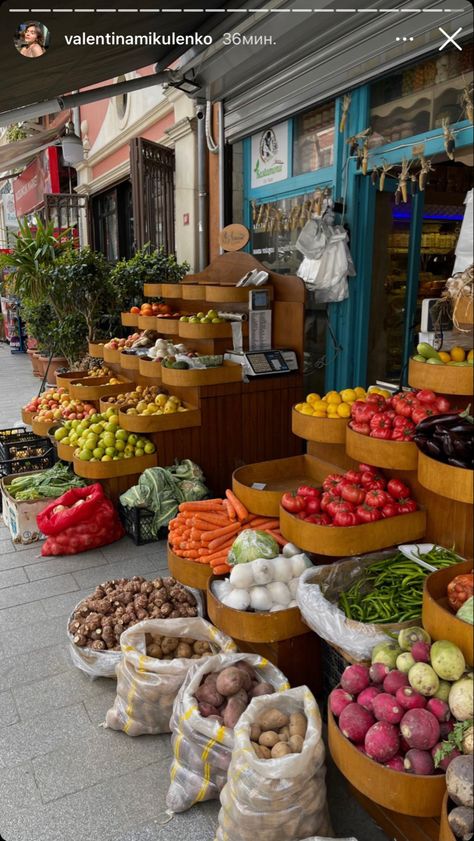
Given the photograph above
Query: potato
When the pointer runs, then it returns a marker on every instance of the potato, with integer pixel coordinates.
(284, 732)
(229, 681)
(280, 749)
(200, 647)
(298, 724)
(208, 694)
(154, 650)
(261, 751)
(247, 672)
(255, 732)
(282, 736)
(207, 710)
(272, 719)
(295, 743)
(169, 644)
(232, 711)
(183, 650)
(261, 689)
(269, 738)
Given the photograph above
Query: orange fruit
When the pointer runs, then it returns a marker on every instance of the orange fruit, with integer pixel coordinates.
(458, 354)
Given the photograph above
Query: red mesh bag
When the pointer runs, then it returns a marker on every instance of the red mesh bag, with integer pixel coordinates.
(81, 519)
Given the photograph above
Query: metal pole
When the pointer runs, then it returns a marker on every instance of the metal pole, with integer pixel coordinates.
(203, 190)
(220, 111)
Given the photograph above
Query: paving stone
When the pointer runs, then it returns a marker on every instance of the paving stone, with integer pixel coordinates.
(42, 734)
(97, 707)
(63, 605)
(27, 547)
(20, 639)
(11, 558)
(122, 569)
(60, 565)
(10, 577)
(6, 544)
(8, 711)
(60, 690)
(34, 591)
(125, 548)
(17, 789)
(21, 614)
(34, 665)
(104, 755)
(194, 824)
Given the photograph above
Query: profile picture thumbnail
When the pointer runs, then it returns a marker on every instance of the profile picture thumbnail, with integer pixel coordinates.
(32, 39)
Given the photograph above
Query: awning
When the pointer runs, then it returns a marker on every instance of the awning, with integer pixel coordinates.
(21, 152)
(67, 67)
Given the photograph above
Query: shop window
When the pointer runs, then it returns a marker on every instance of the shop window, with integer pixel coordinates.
(418, 98)
(113, 222)
(313, 139)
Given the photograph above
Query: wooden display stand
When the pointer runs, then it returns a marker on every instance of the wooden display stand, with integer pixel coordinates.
(400, 827)
(438, 618)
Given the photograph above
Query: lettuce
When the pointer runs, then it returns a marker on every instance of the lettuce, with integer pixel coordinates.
(250, 545)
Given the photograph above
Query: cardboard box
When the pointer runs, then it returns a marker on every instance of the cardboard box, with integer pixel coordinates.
(20, 517)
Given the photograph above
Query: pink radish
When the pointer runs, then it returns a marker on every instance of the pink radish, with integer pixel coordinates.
(354, 722)
(394, 680)
(420, 728)
(420, 652)
(446, 727)
(378, 672)
(366, 697)
(381, 741)
(419, 762)
(385, 708)
(410, 699)
(395, 763)
(404, 746)
(439, 709)
(338, 700)
(443, 764)
(355, 678)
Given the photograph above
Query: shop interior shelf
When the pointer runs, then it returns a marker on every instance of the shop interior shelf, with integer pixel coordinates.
(438, 618)
(254, 627)
(129, 319)
(444, 379)
(444, 479)
(406, 794)
(112, 469)
(188, 572)
(229, 372)
(149, 368)
(393, 455)
(324, 430)
(160, 423)
(276, 476)
(352, 540)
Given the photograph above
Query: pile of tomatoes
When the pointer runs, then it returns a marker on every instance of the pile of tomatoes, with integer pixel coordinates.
(396, 418)
(159, 310)
(351, 499)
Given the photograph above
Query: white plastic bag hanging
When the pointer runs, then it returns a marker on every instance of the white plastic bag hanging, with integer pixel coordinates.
(464, 247)
(281, 798)
(326, 276)
(202, 747)
(146, 686)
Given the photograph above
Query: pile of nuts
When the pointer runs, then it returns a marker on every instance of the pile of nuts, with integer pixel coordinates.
(275, 734)
(167, 648)
(114, 606)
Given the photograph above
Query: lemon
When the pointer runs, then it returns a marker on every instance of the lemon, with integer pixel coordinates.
(332, 409)
(299, 407)
(348, 395)
(445, 357)
(458, 354)
(359, 392)
(161, 400)
(344, 410)
(306, 410)
(470, 356)
(319, 415)
(320, 406)
(313, 398)
(334, 399)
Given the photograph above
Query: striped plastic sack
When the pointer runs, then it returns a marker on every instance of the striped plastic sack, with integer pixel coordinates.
(146, 686)
(282, 798)
(202, 747)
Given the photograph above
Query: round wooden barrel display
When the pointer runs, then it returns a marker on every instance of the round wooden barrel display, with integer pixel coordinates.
(149, 368)
(160, 423)
(254, 627)
(129, 361)
(152, 290)
(172, 291)
(189, 330)
(96, 349)
(445, 831)
(352, 540)
(41, 427)
(104, 404)
(406, 794)
(325, 430)
(443, 479)
(65, 451)
(112, 469)
(193, 292)
(188, 572)
(261, 486)
(93, 388)
(167, 326)
(147, 322)
(129, 319)
(444, 379)
(229, 372)
(393, 455)
(64, 380)
(438, 618)
(27, 417)
(111, 354)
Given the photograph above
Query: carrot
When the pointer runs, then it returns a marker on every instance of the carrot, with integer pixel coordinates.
(201, 505)
(220, 559)
(278, 537)
(221, 569)
(204, 552)
(221, 542)
(239, 509)
(266, 524)
(220, 532)
(219, 553)
(197, 534)
(210, 518)
(230, 510)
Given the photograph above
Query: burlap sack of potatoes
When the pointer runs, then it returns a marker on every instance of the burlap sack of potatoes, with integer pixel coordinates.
(281, 798)
(147, 686)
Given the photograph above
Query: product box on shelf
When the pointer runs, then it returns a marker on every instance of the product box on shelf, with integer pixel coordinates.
(20, 517)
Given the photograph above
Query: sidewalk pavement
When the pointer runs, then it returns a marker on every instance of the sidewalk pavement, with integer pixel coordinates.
(63, 777)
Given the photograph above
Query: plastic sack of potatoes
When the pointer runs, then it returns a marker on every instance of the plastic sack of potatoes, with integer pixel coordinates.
(282, 798)
(147, 686)
(202, 747)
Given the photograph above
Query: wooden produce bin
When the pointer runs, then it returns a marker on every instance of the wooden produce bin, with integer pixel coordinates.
(129, 361)
(65, 452)
(111, 354)
(99, 470)
(129, 319)
(145, 424)
(438, 618)
(65, 379)
(40, 427)
(395, 455)
(192, 292)
(173, 291)
(277, 476)
(406, 794)
(324, 430)
(445, 831)
(444, 379)
(396, 826)
(96, 349)
(189, 572)
(447, 481)
(165, 326)
(229, 372)
(27, 417)
(223, 330)
(149, 368)
(93, 388)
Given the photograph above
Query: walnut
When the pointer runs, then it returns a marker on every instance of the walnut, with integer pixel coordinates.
(147, 587)
(80, 639)
(165, 609)
(98, 645)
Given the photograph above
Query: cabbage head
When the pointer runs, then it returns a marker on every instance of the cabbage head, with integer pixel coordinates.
(252, 544)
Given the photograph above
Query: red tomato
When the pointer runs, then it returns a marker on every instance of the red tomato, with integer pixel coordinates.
(377, 481)
(291, 503)
(301, 515)
(313, 505)
(397, 489)
(361, 428)
(419, 414)
(339, 507)
(383, 433)
(406, 506)
(403, 423)
(319, 519)
(378, 399)
(327, 498)
(390, 510)
(354, 494)
(308, 490)
(403, 433)
(345, 519)
(403, 408)
(367, 468)
(362, 412)
(426, 396)
(353, 477)
(377, 498)
(367, 514)
(443, 405)
(332, 481)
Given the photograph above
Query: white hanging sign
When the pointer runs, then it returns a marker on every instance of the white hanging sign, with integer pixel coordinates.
(270, 155)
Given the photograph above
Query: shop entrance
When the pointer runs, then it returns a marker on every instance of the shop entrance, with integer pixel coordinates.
(413, 252)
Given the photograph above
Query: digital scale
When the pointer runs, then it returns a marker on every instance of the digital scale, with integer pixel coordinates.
(261, 363)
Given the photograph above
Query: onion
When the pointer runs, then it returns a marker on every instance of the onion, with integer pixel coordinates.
(277, 607)
(299, 564)
(279, 593)
(221, 588)
(293, 586)
(237, 599)
(242, 576)
(263, 570)
(282, 569)
(290, 549)
(260, 598)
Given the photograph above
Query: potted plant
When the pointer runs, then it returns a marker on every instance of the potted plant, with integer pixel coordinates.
(128, 276)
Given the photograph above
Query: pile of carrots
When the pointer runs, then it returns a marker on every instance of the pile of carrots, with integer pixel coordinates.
(205, 531)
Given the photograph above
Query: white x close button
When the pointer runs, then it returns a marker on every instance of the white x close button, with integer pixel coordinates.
(450, 39)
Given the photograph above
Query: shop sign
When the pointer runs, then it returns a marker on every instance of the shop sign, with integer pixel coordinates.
(40, 177)
(270, 155)
(9, 213)
(233, 237)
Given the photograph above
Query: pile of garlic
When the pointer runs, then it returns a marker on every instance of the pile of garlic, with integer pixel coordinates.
(264, 585)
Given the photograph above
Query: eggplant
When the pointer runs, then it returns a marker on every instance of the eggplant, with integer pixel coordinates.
(463, 428)
(462, 448)
(447, 444)
(429, 424)
(433, 450)
(455, 462)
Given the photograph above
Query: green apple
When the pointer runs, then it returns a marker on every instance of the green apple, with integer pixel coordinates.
(128, 455)
(212, 314)
(110, 451)
(106, 458)
(184, 318)
(149, 447)
(206, 320)
(120, 445)
(66, 441)
(74, 423)
(132, 440)
(85, 455)
(128, 449)
(96, 428)
(141, 443)
(98, 452)
(108, 439)
(194, 320)
(121, 434)
(200, 315)
(60, 433)
(139, 453)
(217, 320)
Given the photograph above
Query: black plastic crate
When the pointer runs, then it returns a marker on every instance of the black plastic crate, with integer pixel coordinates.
(20, 443)
(137, 522)
(333, 666)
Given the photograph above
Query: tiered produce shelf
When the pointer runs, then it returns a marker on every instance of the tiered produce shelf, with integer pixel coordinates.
(324, 430)
(445, 480)
(159, 423)
(395, 455)
(444, 379)
(438, 618)
(188, 572)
